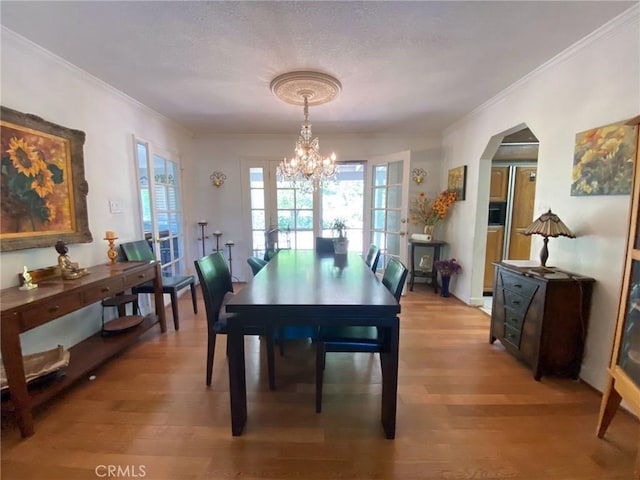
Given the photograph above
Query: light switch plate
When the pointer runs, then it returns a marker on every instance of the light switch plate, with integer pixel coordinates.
(114, 207)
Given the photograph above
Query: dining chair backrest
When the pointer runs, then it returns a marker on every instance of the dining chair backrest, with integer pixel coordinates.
(256, 264)
(215, 282)
(324, 245)
(138, 251)
(373, 255)
(395, 274)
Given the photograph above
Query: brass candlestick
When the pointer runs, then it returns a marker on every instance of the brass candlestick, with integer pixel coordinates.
(112, 253)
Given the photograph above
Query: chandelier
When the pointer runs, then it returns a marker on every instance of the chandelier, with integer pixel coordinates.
(307, 168)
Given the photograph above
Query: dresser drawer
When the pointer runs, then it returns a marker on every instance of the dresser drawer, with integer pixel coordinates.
(518, 284)
(512, 336)
(517, 303)
(513, 319)
(40, 315)
(136, 278)
(105, 289)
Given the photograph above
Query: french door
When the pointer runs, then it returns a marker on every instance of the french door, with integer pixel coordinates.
(159, 179)
(296, 217)
(389, 205)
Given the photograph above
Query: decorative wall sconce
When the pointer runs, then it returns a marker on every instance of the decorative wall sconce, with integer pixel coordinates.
(418, 174)
(217, 179)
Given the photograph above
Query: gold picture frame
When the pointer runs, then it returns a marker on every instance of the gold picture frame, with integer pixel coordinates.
(457, 182)
(44, 191)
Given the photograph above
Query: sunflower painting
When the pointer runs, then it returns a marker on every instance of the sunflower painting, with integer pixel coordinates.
(38, 201)
(603, 160)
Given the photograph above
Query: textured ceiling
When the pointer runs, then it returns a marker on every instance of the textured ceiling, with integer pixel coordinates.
(404, 66)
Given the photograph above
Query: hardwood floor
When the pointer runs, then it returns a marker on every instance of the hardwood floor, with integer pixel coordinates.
(466, 410)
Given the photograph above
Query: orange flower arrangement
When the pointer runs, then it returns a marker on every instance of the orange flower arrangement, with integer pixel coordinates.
(429, 212)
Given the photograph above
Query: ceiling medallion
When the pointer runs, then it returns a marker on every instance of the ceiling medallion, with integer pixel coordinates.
(307, 169)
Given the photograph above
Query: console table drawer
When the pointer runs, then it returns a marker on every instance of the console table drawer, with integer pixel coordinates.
(98, 292)
(139, 277)
(42, 314)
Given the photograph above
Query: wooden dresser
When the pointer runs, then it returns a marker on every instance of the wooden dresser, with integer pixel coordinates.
(54, 298)
(541, 318)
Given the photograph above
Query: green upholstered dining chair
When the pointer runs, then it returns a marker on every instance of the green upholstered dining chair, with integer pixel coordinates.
(256, 264)
(373, 255)
(140, 251)
(324, 245)
(217, 289)
(356, 339)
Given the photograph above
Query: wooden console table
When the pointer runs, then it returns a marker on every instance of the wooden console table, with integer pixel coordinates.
(54, 298)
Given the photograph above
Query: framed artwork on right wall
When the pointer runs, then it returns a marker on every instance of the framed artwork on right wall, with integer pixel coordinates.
(457, 181)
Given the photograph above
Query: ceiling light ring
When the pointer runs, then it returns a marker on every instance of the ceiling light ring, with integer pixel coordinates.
(293, 87)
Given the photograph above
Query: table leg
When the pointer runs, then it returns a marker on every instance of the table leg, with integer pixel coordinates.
(434, 272)
(14, 368)
(159, 298)
(413, 267)
(389, 363)
(237, 379)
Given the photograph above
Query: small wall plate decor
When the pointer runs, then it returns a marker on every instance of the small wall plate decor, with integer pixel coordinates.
(457, 181)
(603, 160)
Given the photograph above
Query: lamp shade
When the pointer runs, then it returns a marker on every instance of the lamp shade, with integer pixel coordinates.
(549, 225)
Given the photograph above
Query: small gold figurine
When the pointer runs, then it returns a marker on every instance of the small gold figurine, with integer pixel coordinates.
(27, 285)
(69, 270)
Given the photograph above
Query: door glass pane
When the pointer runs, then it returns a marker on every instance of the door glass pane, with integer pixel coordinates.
(258, 213)
(173, 198)
(304, 199)
(378, 219)
(393, 220)
(393, 244)
(159, 169)
(257, 220)
(379, 197)
(380, 175)
(304, 220)
(286, 198)
(257, 198)
(629, 358)
(161, 197)
(175, 224)
(172, 168)
(162, 220)
(395, 173)
(394, 199)
(285, 219)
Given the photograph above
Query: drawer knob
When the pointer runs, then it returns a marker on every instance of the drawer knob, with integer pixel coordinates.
(517, 285)
(515, 302)
(105, 289)
(54, 308)
(141, 275)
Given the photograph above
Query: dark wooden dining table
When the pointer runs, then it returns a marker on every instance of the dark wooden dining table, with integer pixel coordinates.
(301, 287)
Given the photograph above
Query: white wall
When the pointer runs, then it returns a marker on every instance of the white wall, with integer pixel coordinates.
(593, 83)
(34, 81)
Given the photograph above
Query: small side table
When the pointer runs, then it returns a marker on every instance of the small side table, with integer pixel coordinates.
(433, 274)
